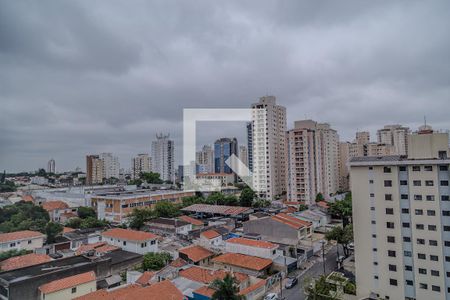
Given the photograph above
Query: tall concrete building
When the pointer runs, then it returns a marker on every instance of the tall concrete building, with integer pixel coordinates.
(140, 164)
(223, 149)
(51, 166)
(94, 169)
(163, 157)
(312, 161)
(243, 155)
(268, 147)
(111, 166)
(344, 168)
(395, 136)
(204, 160)
(250, 145)
(401, 215)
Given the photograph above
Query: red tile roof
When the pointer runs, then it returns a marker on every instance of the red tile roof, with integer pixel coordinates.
(67, 282)
(218, 209)
(205, 291)
(196, 253)
(191, 220)
(116, 294)
(56, 204)
(68, 229)
(130, 235)
(99, 247)
(19, 235)
(291, 221)
(145, 278)
(23, 261)
(253, 287)
(27, 198)
(323, 204)
(252, 243)
(178, 263)
(207, 276)
(243, 261)
(210, 234)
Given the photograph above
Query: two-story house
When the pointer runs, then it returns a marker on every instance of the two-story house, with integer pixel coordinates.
(131, 240)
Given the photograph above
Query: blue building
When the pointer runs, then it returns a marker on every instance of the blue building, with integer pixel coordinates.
(223, 149)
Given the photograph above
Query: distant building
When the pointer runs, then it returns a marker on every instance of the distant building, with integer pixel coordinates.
(21, 240)
(223, 149)
(250, 145)
(196, 255)
(223, 179)
(111, 166)
(269, 147)
(395, 136)
(169, 226)
(140, 164)
(131, 240)
(94, 169)
(236, 262)
(69, 287)
(204, 159)
(51, 167)
(59, 211)
(163, 157)
(251, 247)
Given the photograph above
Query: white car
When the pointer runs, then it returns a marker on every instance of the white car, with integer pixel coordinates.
(271, 296)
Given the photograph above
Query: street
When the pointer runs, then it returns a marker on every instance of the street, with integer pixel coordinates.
(296, 293)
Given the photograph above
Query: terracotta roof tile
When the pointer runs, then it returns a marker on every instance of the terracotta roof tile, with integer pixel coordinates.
(116, 294)
(243, 261)
(56, 204)
(196, 253)
(68, 229)
(205, 291)
(252, 243)
(178, 263)
(27, 198)
(210, 234)
(23, 261)
(253, 287)
(130, 235)
(191, 220)
(145, 278)
(207, 276)
(67, 282)
(323, 204)
(290, 221)
(19, 235)
(99, 247)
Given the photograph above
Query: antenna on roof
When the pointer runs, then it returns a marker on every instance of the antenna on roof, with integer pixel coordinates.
(425, 120)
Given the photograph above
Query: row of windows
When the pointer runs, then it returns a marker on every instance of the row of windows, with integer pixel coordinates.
(415, 168)
(388, 183)
(388, 197)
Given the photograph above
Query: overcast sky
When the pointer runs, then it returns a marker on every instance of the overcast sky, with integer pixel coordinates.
(79, 77)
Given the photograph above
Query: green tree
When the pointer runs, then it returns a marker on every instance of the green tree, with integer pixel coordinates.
(216, 198)
(302, 207)
(230, 200)
(137, 182)
(319, 289)
(165, 209)
(261, 203)
(342, 236)
(319, 197)
(226, 289)
(23, 215)
(85, 212)
(139, 216)
(187, 201)
(247, 197)
(41, 172)
(151, 177)
(155, 261)
(3, 178)
(89, 222)
(7, 187)
(52, 230)
(342, 209)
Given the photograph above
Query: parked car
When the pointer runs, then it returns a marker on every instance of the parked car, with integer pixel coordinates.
(291, 282)
(271, 296)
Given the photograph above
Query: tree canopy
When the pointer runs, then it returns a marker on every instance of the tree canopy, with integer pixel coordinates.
(155, 261)
(52, 230)
(88, 222)
(247, 197)
(342, 236)
(342, 209)
(165, 209)
(23, 216)
(86, 212)
(226, 289)
(151, 177)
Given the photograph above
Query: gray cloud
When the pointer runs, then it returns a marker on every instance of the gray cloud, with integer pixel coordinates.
(85, 77)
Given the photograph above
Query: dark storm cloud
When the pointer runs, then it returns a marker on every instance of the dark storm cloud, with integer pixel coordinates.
(92, 76)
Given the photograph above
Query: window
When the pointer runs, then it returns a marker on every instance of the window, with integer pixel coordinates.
(432, 227)
(419, 212)
(430, 197)
(391, 253)
(393, 282)
(371, 181)
(372, 208)
(388, 197)
(431, 212)
(434, 273)
(408, 268)
(448, 274)
(12, 244)
(391, 239)
(420, 226)
(422, 271)
(404, 196)
(446, 228)
(447, 243)
(388, 183)
(407, 253)
(421, 241)
(389, 211)
(446, 213)
(373, 222)
(447, 258)
(417, 183)
(372, 195)
(444, 182)
(370, 168)
(390, 225)
(406, 239)
(405, 225)
(418, 197)
(74, 290)
(421, 256)
(405, 211)
(423, 286)
(374, 235)
(393, 268)
(428, 168)
(403, 182)
(375, 277)
(409, 282)
(443, 168)
(375, 263)
(445, 197)
(429, 183)
(29, 242)
(403, 168)
(416, 168)
(434, 257)
(152, 242)
(435, 288)
(374, 249)
(387, 170)
(124, 243)
(432, 242)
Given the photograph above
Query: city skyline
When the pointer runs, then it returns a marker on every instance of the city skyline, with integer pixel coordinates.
(112, 86)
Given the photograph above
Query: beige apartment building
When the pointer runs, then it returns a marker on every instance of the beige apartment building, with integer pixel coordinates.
(140, 164)
(401, 214)
(269, 147)
(94, 169)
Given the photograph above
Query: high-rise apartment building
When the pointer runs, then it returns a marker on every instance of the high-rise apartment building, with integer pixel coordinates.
(395, 136)
(250, 145)
(163, 157)
(312, 161)
(268, 147)
(140, 164)
(223, 149)
(243, 155)
(204, 160)
(401, 215)
(51, 166)
(344, 168)
(111, 166)
(94, 169)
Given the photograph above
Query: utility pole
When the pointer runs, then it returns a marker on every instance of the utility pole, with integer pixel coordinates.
(323, 257)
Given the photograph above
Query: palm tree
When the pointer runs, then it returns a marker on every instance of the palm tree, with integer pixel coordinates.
(226, 289)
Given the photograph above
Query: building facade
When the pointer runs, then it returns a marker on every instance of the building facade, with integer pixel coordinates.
(51, 166)
(224, 148)
(204, 159)
(94, 170)
(268, 147)
(140, 164)
(21, 240)
(401, 215)
(163, 153)
(250, 145)
(395, 136)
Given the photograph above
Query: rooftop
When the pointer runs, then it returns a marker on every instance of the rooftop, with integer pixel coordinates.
(121, 195)
(191, 220)
(290, 221)
(23, 261)
(19, 235)
(205, 291)
(99, 247)
(166, 221)
(218, 209)
(130, 235)
(210, 234)
(67, 282)
(145, 278)
(243, 261)
(196, 253)
(252, 243)
(207, 276)
(56, 204)
(253, 287)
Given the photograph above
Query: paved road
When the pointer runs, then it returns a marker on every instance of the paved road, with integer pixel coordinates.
(296, 293)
